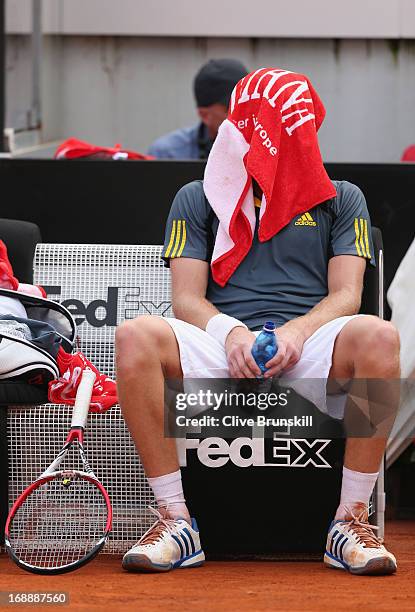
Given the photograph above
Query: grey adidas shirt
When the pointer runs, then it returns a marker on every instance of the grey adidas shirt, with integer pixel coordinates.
(280, 279)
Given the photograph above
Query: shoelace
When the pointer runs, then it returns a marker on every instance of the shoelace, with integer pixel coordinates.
(363, 530)
(155, 532)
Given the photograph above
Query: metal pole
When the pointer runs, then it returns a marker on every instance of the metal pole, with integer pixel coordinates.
(379, 492)
(2, 75)
(36, 110)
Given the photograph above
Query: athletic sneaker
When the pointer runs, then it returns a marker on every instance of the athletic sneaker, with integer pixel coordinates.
(168, 544)
(352, 545)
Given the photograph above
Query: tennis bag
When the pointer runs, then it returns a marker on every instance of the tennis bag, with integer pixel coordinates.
(29, 347)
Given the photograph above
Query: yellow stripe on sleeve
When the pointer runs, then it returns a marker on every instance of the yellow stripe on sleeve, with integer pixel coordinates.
(362, 233)
(183, 243)
(172, 234)
(367, 240)
(357, 232)
(178, 234)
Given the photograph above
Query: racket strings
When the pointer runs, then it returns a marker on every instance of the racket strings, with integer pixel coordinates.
(59, 523)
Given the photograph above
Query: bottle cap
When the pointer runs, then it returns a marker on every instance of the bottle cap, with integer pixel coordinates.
(269, 326)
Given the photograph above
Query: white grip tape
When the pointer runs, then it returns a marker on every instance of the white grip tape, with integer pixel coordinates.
(83, 398)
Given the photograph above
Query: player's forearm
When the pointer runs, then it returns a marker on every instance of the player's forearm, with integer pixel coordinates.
(337, 304)
(193, 309)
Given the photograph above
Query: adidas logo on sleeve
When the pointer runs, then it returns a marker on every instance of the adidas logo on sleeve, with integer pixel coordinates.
(306, 219)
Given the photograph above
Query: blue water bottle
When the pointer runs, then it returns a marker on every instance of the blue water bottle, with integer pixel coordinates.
(265, 346)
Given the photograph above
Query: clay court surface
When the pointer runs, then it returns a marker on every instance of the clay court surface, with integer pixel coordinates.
(229, 586)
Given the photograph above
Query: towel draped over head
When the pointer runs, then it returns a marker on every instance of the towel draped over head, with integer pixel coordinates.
(270, 135)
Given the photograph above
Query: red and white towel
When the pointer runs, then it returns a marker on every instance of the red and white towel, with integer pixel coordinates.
(270, 135)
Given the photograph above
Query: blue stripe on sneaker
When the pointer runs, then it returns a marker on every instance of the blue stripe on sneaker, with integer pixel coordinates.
(337, 559)
(342, 546)
(336, 546)
(185, 542)
(181, 561)
(332, 540)
(187, 532)
(176, 539)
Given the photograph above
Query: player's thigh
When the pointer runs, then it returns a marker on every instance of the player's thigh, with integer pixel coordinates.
(147, 338)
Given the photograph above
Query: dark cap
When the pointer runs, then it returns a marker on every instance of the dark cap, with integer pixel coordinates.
(215, 81)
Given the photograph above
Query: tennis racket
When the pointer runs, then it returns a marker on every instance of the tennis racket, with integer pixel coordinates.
(62, 520)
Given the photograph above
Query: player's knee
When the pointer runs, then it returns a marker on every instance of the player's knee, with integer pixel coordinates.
(382, 337)
(379, 344)
(136, 344)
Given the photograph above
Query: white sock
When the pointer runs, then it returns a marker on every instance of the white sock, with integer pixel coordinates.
(168, 491)
(356, 487)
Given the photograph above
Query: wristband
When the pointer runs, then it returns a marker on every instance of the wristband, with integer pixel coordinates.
(221, 325)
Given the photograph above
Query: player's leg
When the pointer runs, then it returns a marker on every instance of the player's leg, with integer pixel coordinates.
(366, 348)
(146, 354)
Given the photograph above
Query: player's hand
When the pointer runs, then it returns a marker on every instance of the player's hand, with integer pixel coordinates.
(290, 339)
(238, 348)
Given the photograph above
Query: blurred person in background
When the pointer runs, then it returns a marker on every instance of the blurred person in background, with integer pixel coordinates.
(212, 86)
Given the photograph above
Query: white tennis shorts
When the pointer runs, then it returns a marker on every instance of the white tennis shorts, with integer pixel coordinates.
(202, 356)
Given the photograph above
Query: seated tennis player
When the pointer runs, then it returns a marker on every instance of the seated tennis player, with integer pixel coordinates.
(266, 236)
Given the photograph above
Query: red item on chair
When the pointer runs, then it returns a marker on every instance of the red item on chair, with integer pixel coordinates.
(63, 390)
(78, 149)
(9, 281)
(409, 154)
(7, 278)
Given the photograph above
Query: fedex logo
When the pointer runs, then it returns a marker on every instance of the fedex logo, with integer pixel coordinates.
(258, 452)
(119, 304)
